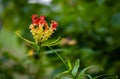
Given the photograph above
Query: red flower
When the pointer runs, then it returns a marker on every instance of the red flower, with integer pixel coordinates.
(54, 24)
(38, 21)
(40, 29)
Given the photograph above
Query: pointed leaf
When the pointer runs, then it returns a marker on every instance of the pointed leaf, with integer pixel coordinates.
(53, 43)
(61, 74)
(17, 32)
(84, 75)
(111, 74)
(58, 39)
(85, 69)
(75, 69)
(69, 65)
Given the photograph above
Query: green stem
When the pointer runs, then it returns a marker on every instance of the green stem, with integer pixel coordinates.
(39, 67)
(37, 74)
(38, 48)
(61, 60)
(58, 56)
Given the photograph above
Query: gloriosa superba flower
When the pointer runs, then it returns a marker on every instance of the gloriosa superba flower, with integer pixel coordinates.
(40, 29)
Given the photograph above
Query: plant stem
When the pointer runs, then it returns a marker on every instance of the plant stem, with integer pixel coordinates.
(61, 60)
(37, 74)
(38, 48)
(58, 56)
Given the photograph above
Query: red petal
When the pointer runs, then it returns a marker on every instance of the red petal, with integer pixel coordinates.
(54, 24)
(42, 17)
(37, 21)
(34, 17)
(42, 21)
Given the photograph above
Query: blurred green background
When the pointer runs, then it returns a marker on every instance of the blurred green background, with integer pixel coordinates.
(93, 27)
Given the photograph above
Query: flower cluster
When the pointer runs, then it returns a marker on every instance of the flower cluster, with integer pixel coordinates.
(40, 29)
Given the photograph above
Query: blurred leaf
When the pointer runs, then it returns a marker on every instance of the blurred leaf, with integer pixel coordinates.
(85, 69)
(52, 51)
(106, 75)
(83, 72)
(100, 2)
(19, 68)
(9, 43)
(116, 20)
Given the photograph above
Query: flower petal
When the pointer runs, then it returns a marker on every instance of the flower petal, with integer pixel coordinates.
(54, 24)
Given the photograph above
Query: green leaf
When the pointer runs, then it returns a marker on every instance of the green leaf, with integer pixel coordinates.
(66, 78)
(61, 75)
(85, 69)
(17, 32)
(111, 74)
(53, 43)
(82, 73)
(75, 69)
(52, 51)
(69, 65)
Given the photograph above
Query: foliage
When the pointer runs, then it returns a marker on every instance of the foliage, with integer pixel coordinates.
(93, 24)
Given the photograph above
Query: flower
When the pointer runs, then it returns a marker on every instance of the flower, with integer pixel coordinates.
(40, 29)
(38, 21)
